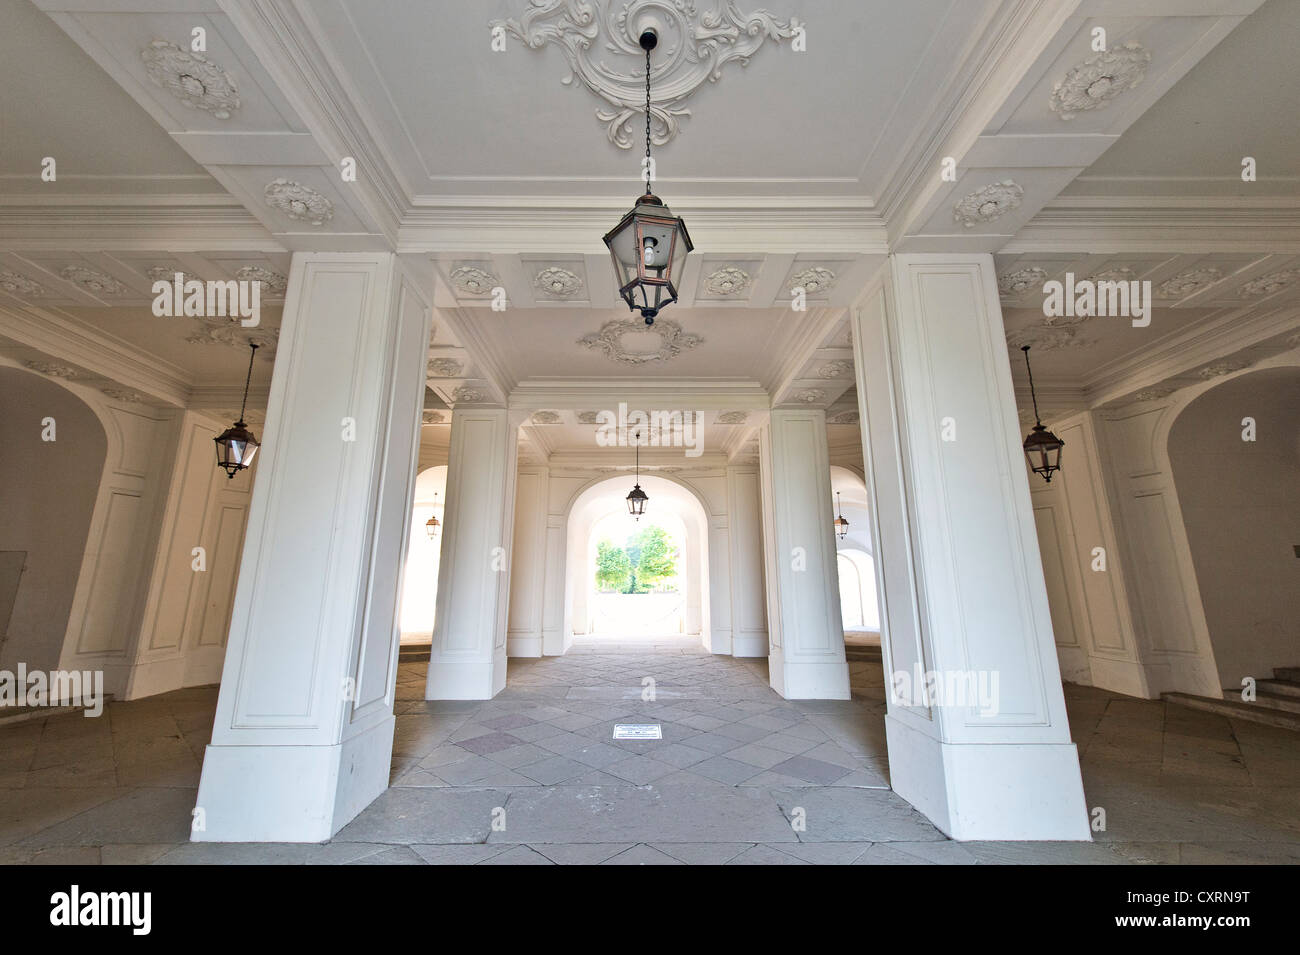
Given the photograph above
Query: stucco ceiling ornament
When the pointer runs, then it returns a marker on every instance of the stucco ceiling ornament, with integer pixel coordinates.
(1022, 280)
(429, 416)
(92, 280)
(444, 368)
(272, 282)
(1120, 273)
(1226, 366)
(836, 369)
(192, 78)
(1268, 284)
(1154, 392)
(474, 281)
(1099, 79)
(467, 395)
(557, 282)
(16, 284)
(546, 417)
(612, 335)
(810, 396)
(697, 46)
(728, 280)
(733, 417)
(1185, 283)
(588, 417)
(123, 394)
(989, 203)
(53, 369)
(813, 281)
(298, 202)
(167, 273)
(843, 417)
(1049, 338)
(221, 332)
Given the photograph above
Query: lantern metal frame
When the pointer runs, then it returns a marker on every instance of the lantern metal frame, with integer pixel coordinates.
(637, 498)
(840, 523)
(238, 434)
(1040, 444)
(433, 526)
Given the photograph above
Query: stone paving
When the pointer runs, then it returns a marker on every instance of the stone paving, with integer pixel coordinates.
(735, 764)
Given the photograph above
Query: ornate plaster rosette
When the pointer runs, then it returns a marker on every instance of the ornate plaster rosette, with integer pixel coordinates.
(16, 284)
(444, 368)
(1224, 367)
(298, 202)
(191, 77)
(1099, 79)
(430, 416)
(546, 417)
(814, 280)
(733, 417)
(1050, 338)
(1119, 274)
(836, 369)
(92, 280)
(672, 341)
(1155, 392)
(1185, 283)
(588, 417)
(1268, 284)
(844, 417)
(272, 282)
(123, 394)
(810, 396)
(470, 280)
(53, 369)
(166, 273)
(599, 43)
(1022, 280)
(222, 331)
(557, 282)
(989, 203)
(466, 395)
(728, 280)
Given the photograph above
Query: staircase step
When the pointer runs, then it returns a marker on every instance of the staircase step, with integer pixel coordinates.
(1287, 673)
(1272, 701)
(1279, 687)
(1235, 709)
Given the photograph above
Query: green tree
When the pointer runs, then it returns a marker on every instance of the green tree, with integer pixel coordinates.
(613, 569)
(655, 557)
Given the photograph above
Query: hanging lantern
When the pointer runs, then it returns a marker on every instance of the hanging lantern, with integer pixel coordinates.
(1042, 448)
(637, 498)
(432, 526)
(841, 525)
(649, 245)
(236, 446)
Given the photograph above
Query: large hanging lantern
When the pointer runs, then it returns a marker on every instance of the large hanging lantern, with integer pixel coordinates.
(1042, 448)
(649, 245)
(841, 525)
(236, 446)
(433, 527)
(637, 498)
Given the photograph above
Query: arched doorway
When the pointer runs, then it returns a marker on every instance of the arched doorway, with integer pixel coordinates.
(420, 578)
(856, 565)
(1234, 452)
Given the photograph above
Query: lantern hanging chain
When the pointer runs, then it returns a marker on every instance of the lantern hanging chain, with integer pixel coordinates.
(637, 480)
(647, 121)
(249, 380)
(1032, 394)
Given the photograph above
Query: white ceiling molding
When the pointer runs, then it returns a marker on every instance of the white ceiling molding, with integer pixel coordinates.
(988, 204)
(1099, 79)
(587, 35)
(611, 340)
(192, 78)
(298, 202)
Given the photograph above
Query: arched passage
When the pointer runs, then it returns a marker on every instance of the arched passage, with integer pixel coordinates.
(1235, 456)
(54, 453)
(856, 562)
(420, 578)
(607, 497)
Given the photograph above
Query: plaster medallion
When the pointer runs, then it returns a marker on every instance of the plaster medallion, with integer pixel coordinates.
(843, 417)
(557, 282)
(546, 417)
(588, 417)
(810, 396)
(1120, 273)
(123, 394)
(813, 281)
(298, 202)
(465, 394)
(16, 284)
(429, 416)
(602, 51)
(167, 273)
(727, 280)
(53, 369)
(614, 339)
(1046, 338)
(221, 331)
(1268, 284)
(474, 281)
(1185, 283)
(1099, 79)
(1226, 366)
(1155, 392)
(444, 368)
(836, 369)
(733, 417)
(1022, 280)
(92, 280)
(272, 282)
(191, 77)
(989, 203)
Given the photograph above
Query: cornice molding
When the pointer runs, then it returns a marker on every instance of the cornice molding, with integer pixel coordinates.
(665, 393)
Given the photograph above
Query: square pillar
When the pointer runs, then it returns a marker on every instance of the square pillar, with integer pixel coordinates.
(303, 733)
(806, 657)
(469, 630)
(961, 583)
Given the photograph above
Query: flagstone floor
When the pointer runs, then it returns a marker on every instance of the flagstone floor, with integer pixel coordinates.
(735, 765)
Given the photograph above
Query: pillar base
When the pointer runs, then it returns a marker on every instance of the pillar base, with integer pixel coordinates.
(808, 681)
(291, 793)
(990, 791)
(454, 680)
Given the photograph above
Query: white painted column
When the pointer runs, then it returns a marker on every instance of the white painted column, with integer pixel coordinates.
(745, 536)
(806, 655)
(958, 567)
(303, 733)
(528, 563)
(469, 631)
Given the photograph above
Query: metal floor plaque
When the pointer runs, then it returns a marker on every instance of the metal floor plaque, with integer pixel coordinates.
(638, 731)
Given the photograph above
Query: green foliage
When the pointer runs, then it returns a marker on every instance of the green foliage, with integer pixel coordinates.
(613, 569)
(648, 559)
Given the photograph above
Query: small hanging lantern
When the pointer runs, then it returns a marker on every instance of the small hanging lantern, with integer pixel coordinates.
(637, 498)
(236, 446)
(841, 525)
(433, 527)
(1042, 448)
(649, 245)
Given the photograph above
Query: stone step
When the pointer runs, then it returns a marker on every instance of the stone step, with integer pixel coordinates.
(1235, 709)
(414, 653)
(1279, 687)
(1287, 673)
(1273, 701)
